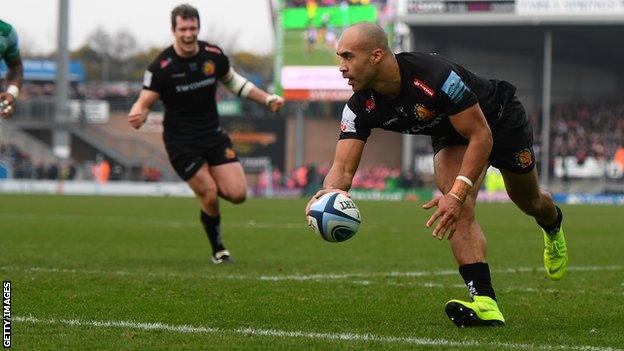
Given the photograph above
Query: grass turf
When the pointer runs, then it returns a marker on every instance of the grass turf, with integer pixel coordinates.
(145, 260)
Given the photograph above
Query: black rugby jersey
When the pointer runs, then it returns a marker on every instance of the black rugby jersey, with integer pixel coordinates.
(187, 88)
(432, 89)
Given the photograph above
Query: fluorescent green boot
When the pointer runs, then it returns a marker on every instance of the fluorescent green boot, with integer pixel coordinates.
(555, 255)
(482, 311)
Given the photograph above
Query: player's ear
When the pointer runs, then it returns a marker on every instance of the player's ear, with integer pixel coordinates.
(376, 56)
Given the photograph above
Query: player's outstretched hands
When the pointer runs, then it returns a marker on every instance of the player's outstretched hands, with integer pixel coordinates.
(275, 102)
(318, 195)
(448, 211)
(6, 105)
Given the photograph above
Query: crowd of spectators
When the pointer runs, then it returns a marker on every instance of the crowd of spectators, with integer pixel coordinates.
(23, 165)
(586, 129)
(309, 178)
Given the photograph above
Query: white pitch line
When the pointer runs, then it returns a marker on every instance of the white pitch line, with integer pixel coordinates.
(312, 277)
(346, 337)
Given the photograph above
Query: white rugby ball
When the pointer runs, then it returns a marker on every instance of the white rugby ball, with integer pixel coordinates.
(334, 217)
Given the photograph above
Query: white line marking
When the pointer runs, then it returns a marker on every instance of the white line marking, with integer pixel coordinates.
(312, 277)
(306, 334)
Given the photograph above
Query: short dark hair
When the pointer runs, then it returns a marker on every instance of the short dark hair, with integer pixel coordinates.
(185, 11)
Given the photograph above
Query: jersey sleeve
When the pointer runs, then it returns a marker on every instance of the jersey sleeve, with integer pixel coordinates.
(223, 64)
(12, 50)
(451, 89)
(153, 78)
(352, 126)
(455, 94)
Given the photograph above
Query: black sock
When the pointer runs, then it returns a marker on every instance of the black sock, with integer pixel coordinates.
(553, 228)
(477, 279)
(212, 226)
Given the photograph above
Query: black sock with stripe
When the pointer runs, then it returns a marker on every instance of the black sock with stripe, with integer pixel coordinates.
(477, 279)
(553, 228)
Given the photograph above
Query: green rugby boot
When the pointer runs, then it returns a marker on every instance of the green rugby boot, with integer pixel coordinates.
(555, 255)
(482, 311)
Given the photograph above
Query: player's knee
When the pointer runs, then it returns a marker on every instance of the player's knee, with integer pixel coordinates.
(237, 198)
(207, 195)
(468, 209)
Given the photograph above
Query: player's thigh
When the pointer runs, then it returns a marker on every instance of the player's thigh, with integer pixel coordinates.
(231, 181)
(202, 182)
(522, 188)
(447, 163)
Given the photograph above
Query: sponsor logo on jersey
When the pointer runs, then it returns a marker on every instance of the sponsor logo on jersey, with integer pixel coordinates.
(524, 158)
(193, 66)
(347, 123)
(390, 121)
(164, 63)
(213, 49)
(455, 87)
(424, 87)
(370, 104)
(422, 113)
(208, 68)
(195, 85)
(147, 78)
(230, 153)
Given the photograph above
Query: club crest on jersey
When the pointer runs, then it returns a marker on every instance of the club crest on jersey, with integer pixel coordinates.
(524, 158)
(164, 63)
(208, 68)
(424, 87)
(422, 113)
(230, 153)
(370, 104)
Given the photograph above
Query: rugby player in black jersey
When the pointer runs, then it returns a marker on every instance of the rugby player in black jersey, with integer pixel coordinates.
(184, 77)
(472, 122)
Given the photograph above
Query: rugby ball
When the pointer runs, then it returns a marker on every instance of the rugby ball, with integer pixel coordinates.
(334, 217)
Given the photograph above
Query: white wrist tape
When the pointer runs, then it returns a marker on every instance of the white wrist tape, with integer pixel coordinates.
(239, 85)
(465, 180)
(13, 90)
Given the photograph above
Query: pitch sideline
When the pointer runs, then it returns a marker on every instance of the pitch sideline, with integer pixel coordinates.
(348, 337)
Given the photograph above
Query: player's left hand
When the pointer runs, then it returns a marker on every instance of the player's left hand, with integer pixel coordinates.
(275, 102)
(449, 209)
(6, 104)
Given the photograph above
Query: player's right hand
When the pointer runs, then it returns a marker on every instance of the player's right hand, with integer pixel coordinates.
(275, 103)
(318, 195)
(136, 120)
(6, 105)
(448, 212)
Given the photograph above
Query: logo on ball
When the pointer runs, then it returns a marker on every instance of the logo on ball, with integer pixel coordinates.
(334, 217)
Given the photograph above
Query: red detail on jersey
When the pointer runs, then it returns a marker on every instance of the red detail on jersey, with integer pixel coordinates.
(424, 87)
(343, 126)
(212, 49)
(165, 63)
(370, 104)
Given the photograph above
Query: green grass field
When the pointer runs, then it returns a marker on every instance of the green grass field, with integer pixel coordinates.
(115, 273)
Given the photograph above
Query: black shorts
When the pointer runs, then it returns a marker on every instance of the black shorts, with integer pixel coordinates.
(513, 140)
(186, 159)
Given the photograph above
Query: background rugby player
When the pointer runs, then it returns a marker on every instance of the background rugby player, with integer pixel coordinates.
(9, 52)
(472, 122)
(184, 76)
